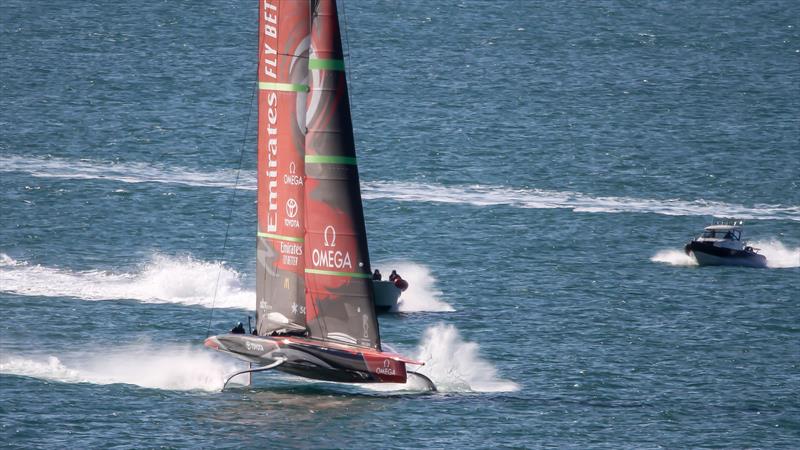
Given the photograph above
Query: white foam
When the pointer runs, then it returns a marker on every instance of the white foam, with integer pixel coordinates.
(674, 257)
(481, 195)
(163, 279)
(778, 255)
(422, 294)
(6, 260)
(478, 195)
(129, 172)
(453, 365)
(171, 368)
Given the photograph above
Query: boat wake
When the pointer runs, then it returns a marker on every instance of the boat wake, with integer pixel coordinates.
(127, 172)
(176, 368)
(163, 279)
(481, 195)
(477, 195)
(422, 294)
(778, 255)
(454, 365)
(674, 258)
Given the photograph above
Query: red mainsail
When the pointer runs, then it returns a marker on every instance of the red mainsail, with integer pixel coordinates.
(284, 35)
(339, 294)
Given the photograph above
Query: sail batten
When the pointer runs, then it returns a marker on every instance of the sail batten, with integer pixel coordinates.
(284, 87)
(326, 64)
(329, 159)
(279, 237)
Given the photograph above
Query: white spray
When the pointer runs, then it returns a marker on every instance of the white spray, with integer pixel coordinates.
(778, 255)
(674, 257)
(422, 294)
(163, 279)
(171, 368)
(454, 365)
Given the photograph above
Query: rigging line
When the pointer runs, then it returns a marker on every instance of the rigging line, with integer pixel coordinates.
(350, 83)
(233, 202)
(347, 54)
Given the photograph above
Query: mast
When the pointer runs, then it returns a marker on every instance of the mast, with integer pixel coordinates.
(284, 29)
(339, 293)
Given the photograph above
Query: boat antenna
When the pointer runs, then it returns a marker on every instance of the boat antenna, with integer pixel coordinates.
(233, 203)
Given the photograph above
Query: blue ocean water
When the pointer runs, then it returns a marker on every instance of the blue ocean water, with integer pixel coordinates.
(533, 168)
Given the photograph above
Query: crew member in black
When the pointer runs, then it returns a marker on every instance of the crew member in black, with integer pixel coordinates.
(377, 275)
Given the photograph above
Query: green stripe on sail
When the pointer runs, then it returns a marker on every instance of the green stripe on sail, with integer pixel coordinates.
(326, 64)
(283, 87)
(278, 236)
(339, 274)
(323, 159)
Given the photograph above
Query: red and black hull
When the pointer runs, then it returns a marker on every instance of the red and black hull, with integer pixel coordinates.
(311, 358)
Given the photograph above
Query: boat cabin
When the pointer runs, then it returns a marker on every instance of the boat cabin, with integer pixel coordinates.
(727, 232)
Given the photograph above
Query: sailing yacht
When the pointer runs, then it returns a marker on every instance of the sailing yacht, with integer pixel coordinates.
(315, 299)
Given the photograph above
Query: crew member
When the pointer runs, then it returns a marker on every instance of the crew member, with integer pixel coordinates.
(400, 283)
(377, 275)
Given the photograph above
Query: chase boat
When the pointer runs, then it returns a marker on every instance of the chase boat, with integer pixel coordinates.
(721, 244)
(386, 295)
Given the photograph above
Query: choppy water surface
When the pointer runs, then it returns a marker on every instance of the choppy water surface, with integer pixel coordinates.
(534, 169)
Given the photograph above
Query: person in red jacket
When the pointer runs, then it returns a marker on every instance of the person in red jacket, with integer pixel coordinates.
(399, 282)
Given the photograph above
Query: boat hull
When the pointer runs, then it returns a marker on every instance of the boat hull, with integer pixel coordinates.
(311, 358)
(708, 254)
(386, 295)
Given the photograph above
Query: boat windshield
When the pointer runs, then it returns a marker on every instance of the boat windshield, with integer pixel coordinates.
(722, 234)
